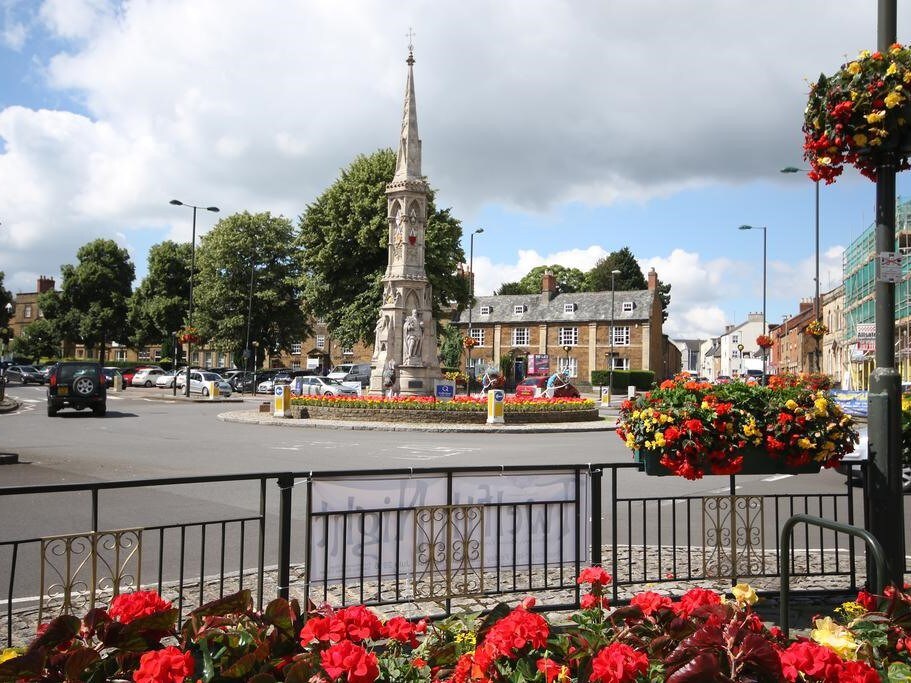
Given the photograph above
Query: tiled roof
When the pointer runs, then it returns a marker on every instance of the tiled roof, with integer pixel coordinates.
(587, 307)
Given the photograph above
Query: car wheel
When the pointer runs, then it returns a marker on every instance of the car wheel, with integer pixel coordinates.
(100, 411)
(906, 479)
(148, 382)
(84, 386)
(205, 391)
(51, 411)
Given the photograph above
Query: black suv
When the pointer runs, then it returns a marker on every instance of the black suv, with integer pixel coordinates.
(78, 385)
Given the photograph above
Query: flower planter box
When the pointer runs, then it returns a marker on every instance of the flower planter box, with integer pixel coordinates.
(755, 461)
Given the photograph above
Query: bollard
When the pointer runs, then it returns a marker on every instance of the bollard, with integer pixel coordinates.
(281, 402)
(495, 406)
(212, 389)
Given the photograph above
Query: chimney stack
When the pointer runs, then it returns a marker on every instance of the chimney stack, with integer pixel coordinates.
(652, 280)
(45, 284)
(548, 286)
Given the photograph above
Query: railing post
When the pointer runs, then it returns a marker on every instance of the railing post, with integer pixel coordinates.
(285, 485)
(595, 475)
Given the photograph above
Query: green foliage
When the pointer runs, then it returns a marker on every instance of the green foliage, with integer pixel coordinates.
(38, 340)
(344, 235)
(568, 279)
(450, 346)
(6, 297)
(630, 277)
(93, 302)
(510, 288)
(237, 246)
(159, 305)
(643, 380)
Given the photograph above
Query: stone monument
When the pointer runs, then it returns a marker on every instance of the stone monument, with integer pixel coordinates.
(406, 339)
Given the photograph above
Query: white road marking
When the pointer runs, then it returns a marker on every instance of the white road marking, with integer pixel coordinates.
(312, 444)
(777, 477)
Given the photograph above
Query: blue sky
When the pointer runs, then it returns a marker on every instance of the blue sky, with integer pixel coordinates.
(565, 129)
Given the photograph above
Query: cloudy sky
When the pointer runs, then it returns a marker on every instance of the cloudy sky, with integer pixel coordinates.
(565, 129)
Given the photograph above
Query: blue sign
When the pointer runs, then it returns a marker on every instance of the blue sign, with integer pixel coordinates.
(499, 395)
(444, 390)
(852, 402)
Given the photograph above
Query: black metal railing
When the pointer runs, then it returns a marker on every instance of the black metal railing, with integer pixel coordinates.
(317, 536)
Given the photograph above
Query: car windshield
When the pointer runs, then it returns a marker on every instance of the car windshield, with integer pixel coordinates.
(330, 380)
(210, 377)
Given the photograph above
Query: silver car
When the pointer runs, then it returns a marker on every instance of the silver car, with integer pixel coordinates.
(199, 383)
(321, 386)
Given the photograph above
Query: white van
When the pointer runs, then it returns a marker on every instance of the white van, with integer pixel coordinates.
(351, 372)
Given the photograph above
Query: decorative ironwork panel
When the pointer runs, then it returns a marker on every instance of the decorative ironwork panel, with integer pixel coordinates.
(448, 551)
(78, 570)
(733, 536)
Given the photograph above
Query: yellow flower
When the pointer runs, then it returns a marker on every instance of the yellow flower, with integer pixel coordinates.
(744, 594)
(791, 404)
(875, 142)
(860, 140)
(635, 415)
(876, 116)
(630, 441)
(466, 638)
(852, 610)
(892, 70)
(8, 653)
(893, 99)
(822, 407)
(906, 402)
(835, 637)
(853, 68)
(824, 161)
(907, 77)
(863, 54)
(805, 443)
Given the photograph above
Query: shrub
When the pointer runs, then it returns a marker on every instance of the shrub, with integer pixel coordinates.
(643, 380)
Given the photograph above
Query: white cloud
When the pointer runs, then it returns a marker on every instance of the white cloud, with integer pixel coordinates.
(13, 35)
(489, 276)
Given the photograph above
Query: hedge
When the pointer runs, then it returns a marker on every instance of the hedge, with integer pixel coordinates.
(643, 380)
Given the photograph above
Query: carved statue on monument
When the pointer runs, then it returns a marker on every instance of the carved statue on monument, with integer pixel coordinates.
(413, 332)
(382, 335)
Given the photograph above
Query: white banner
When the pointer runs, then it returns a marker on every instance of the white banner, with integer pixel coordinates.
(381, 512)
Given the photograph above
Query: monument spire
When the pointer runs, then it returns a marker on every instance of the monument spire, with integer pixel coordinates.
(408, 161)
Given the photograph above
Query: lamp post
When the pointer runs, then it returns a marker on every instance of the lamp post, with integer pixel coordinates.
(610, 373)
(176, 353)
(255, 352)
(249, 314)
(213, 209)
(7, 335)
(764, 263)
(817, 313)
(477, 231)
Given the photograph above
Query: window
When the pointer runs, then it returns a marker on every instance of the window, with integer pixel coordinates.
(620, 363)
(208, 359)
(158, 354)
(320, 341)
(296, 348)
(735, 338)
(143, 354)
(347, 352)
(80, 353)
(569, 363)
(120, 354)
(518, 309)
(477, 333)
(28, 311)
(485, 310)
(735, 354)
(569, 308)
(568, 336)
(520, 336)
(621, 336)
(295, 365)
(627, 306)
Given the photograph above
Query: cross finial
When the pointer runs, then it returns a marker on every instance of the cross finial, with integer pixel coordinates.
(410, 36)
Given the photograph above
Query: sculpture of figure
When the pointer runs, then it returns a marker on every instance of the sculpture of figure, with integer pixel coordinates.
(390, 385)
(413, 331)
(557, 382)
(382, 333)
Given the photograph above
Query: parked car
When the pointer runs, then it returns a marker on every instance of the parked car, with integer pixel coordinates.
(46, 370)
(855, 474)
(351, 372)
(79, 385)
(127, 375)
(240, 380)
(265, 376)
(723, 379)
(146, 377)
(165, 380)
(526, 388)
(320, 386)
(199, 380)
(24, 374)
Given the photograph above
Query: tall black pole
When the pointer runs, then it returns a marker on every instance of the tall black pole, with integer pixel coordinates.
(610, 372)
(764, 326)
(816, 303)
(249, 314)
(190, 312)
(884, 410)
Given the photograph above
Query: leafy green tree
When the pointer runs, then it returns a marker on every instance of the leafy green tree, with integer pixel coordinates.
(6, 297)
(568, 280)
(630, 277)
(38, 340)
(344, 236)
(450, 346)
(238, 245)
(93, 302)
(158, 307)
(510, 288)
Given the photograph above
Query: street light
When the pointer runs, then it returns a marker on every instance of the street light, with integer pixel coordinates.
(816, 310)
(176, 353)
(249, 313)
(764, 261)
(9, 314)
(255, 352)
(610, 374)
(213, 209)
(478, 231)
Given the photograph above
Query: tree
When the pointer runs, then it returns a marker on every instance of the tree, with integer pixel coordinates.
(38, 340)
(6, 297)
(344, 236)
(568, 280)
(509, 288)
(630, 277)
(238, 245)
(93, 302)
(158, 307)
(450, 346)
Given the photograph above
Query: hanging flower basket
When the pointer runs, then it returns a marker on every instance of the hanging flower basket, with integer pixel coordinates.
(816, 329)
(764, 341)
(469, 342)
(189, 335)
(860, 116)
(753, 461)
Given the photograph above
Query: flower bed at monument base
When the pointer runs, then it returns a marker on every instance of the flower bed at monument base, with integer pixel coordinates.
(426, 410)
(700, 635)
(438, 417)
